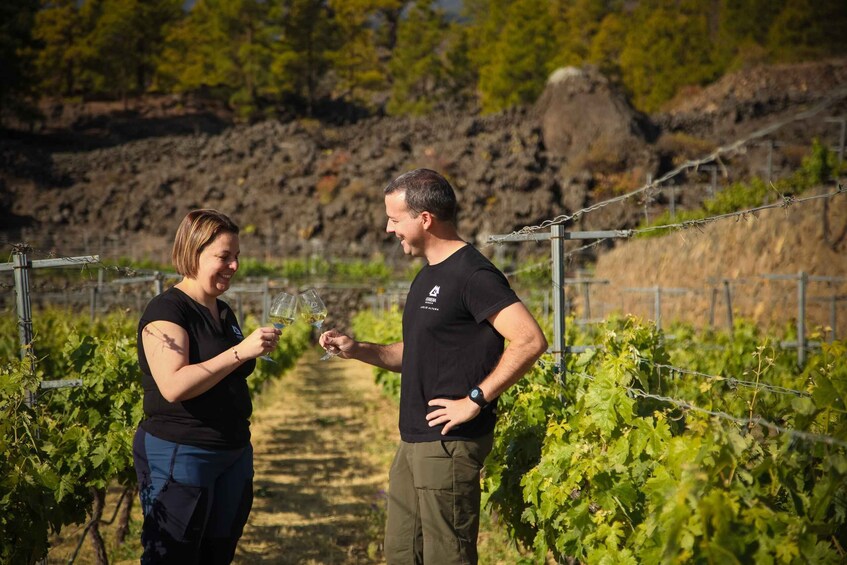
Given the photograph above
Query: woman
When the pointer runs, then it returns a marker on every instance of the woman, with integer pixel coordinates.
(192, 451)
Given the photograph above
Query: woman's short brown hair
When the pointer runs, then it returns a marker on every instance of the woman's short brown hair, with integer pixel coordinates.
(198, 229)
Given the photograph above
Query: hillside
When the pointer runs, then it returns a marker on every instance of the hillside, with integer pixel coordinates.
(115, 179)
(810, 237)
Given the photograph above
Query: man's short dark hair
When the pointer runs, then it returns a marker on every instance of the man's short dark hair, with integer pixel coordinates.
(426, 191)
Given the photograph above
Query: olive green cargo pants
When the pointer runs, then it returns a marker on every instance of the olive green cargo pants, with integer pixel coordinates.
(433, 502)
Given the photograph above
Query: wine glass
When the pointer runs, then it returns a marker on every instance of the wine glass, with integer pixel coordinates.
(283, 310)
(314, 311)
(282, 313)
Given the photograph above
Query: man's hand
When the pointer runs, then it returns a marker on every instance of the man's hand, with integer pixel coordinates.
(337, 343)
(452, 412)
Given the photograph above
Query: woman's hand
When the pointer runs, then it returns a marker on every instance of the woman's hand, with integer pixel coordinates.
(258, 343)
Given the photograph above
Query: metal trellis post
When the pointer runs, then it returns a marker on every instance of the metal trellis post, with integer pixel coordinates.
(24, 307)
(266, 299)
(557, 244)
(557, 237)
(833, 318)
(158, 283)
(21, 265)
(657, 292)
(727, 291)
(802, 280)
(769, 166)
(93, 302)
(842, 138)
(712, 307)
(586, 298)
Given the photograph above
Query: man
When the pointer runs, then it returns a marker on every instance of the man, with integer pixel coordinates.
(453, 365)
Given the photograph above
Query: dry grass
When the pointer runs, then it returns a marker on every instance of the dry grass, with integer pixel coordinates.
(780, 241)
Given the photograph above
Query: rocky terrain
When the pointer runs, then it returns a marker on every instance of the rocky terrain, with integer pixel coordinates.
(115, 178)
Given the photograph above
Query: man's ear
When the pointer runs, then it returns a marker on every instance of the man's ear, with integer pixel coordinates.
(426, 219)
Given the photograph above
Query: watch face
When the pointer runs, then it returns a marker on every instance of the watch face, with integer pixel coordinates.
(474, 393)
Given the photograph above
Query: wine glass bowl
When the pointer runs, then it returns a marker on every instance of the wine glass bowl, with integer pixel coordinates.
(283, 310)
(282, 313)
(314, 309)
(315, 312)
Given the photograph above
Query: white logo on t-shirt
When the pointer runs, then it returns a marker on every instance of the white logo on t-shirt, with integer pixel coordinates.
(430, 300)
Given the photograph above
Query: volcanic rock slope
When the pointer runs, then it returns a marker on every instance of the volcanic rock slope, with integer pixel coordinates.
(116, 180)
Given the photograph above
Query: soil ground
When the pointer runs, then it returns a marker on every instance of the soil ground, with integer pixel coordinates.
(323, 437)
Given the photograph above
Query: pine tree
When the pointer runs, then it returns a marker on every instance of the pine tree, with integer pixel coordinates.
(387, 23)
(304, 39)
(16, 23)
(485, 21)
(608, 44)
(575, 23)
(807, 29)
(222, 46)
(743, 31)
(58, 29)
(416, 66)
(461, 75)
(122, 40)
(359, 73)
(521, 58)
(668, 47)
(155, 17)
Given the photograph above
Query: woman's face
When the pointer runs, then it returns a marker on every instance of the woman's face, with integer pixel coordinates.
(217, 263)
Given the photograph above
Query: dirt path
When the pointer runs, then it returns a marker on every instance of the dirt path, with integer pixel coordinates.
(323, 437)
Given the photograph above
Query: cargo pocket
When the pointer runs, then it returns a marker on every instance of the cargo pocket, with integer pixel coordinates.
(178, 513)
(432, 466)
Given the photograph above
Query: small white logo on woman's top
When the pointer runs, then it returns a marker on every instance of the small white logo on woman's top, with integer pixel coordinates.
(237, 332)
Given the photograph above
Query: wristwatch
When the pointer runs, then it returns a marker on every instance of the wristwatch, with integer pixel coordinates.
(477, 396)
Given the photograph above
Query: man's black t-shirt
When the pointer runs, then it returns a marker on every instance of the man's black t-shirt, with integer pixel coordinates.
(218, 418)
(449, 346)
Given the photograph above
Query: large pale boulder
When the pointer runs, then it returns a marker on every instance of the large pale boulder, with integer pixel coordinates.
(589, 122)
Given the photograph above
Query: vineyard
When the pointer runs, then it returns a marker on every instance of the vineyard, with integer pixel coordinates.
(698, 448)
(633, 441)
(64, 449)
(652, 445)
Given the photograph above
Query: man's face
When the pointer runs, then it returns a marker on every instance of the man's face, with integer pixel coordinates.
(407, 229)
